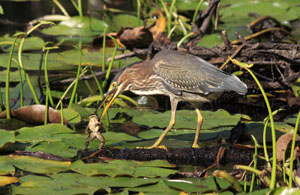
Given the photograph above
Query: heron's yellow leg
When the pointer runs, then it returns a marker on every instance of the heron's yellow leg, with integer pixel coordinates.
(199, 124)
(166, 131)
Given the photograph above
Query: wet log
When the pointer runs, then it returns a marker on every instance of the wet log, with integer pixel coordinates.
(205, 156)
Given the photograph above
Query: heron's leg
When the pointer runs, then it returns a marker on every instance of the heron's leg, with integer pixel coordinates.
(199, 124)
(174, 103)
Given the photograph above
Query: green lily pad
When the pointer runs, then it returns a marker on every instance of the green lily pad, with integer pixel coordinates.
(81, 26)
(71, 115)
(50, 132)
(6, 137)
(188, 119)
(280, 10)
(285, 190)
(72, 183)
(15, 93)
(116, 22)
(256, 129)
(211, 40)
(31, 43)
(29, 163)
(31, 61)
(14, 76)
(296, 87)
(125, 168)
(57, 148)
(6, 168)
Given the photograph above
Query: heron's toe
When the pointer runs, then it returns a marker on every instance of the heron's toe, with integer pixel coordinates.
(195, 146)
(153, 147)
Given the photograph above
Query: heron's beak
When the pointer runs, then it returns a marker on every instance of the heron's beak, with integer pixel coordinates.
(113, 92)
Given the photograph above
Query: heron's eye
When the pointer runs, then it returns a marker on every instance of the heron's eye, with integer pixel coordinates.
(114, 84)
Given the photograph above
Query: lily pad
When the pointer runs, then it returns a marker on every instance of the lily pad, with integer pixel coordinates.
(5, 180)
(116, 22)
(211, 40)
(188, 119)
(81, 26)
(50, 132)
(31, 43)
(29, 163)
(72, 183)
(6, 137)
(280, 10)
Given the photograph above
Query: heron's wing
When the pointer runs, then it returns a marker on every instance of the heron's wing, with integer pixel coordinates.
(188, 73)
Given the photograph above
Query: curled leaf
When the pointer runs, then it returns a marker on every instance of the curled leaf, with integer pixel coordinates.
(35, 114)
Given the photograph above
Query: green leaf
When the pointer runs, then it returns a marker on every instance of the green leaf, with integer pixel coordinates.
(82, 26)
(285, 190)
(296, 87)
(211, 40)
(1, 10)
(71, 115)
(31, 43)
(6, 137)
(116, 22)
(58, 148)
(50, 132)
(188, 119)
(72, 183)
(239, 11)
(125, 168)
(35, 165)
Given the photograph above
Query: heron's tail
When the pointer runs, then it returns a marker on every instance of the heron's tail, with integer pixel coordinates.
(233, 83)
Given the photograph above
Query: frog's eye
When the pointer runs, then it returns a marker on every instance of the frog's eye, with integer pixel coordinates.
(114, 84)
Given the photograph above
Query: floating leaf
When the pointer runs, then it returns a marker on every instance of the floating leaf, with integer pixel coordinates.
(29, 163)
(211, 40)
(6, 137)
(50, 132)
(5, 180)
(82, 26)
(72, 183)
(188, 119)
(115, 22)
(31, 43)
(125, 168)
(296, 87)
(35, 114)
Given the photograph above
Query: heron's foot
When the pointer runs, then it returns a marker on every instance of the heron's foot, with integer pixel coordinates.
(195, 146)
(153, 147)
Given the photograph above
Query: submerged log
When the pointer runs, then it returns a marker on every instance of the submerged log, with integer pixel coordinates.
(188, 156)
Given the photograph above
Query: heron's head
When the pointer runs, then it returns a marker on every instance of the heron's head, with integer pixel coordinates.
(120, 83)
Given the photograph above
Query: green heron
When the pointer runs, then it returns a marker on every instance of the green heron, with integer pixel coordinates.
(179, 75)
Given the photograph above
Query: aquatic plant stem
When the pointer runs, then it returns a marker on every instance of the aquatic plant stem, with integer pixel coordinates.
(21, 60)
(80, 8)
(26, 74)
(274, 159)
(69, 88)
(77, 76)
(254, 163)
(62, 9)
(7, 94)
(46, 107)
(169, 24)
(104, 84)
(104, 50)
(20, 84)
(48, 90)
(184, 38)
(292, 152)
(139, 12)
(61, 114)
(265, 143)
(107, 122)
(197, 11)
